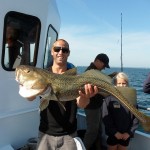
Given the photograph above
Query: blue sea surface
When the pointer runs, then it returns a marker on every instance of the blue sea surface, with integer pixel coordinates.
(137, 77)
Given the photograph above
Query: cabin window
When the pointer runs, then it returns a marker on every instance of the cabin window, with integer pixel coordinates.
(20, 40)
(51, 38)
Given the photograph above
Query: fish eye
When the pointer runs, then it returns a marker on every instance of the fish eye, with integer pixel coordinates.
(27, 71)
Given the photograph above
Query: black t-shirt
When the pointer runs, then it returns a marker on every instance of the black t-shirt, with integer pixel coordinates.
(57, 121)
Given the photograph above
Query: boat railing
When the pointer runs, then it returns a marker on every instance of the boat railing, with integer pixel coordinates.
(143, 107)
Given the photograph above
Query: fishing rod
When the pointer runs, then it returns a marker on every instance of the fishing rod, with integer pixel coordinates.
(121, 46)
(140, 107)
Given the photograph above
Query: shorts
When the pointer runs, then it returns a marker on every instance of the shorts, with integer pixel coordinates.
(49, 142)
(112, 140)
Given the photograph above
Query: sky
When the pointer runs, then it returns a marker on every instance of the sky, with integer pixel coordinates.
(94, 26)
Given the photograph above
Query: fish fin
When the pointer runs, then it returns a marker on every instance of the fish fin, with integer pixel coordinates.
(72, 71)
(43, 104)
(97, 74)
(60, 102)
(53, 97)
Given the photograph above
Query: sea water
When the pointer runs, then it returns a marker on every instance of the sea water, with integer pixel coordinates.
(137, 76)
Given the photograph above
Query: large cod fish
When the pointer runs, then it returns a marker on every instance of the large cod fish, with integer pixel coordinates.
(65, 87)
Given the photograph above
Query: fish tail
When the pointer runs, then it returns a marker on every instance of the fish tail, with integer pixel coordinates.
(145, 120)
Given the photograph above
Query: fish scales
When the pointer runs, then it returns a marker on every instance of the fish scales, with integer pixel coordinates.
(71, 90)
(73, 84)
(65, 87)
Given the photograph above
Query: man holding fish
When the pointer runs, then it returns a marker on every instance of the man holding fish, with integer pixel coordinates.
(58, 124)
(62, 85)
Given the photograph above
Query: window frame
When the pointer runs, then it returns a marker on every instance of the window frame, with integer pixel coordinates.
(21, 18)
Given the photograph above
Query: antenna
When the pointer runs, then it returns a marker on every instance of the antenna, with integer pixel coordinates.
(121, 46)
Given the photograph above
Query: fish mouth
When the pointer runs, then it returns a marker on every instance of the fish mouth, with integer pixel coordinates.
(24, 83)
(20, 84)
(28, 91)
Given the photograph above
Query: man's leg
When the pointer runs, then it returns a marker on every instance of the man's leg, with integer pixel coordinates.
(93, 119)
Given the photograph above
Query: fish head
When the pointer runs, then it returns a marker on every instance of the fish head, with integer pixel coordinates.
(31, 80)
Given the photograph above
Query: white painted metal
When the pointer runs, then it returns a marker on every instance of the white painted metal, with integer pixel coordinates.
(19, 118)
(141, 141)
(7, 147)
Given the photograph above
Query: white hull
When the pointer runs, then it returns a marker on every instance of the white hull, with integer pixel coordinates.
(141, 141)
(18, 127)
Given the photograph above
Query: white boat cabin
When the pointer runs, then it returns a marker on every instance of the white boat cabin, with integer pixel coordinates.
(28, 30)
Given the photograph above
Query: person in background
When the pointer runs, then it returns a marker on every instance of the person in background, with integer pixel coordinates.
(58, 125)
(146, 86)
(120, 124)
(93, 110)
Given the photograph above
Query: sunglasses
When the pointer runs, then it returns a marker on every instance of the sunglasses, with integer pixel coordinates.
(64, 49)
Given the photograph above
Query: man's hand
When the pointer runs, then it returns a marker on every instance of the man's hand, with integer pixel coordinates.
(84, 98)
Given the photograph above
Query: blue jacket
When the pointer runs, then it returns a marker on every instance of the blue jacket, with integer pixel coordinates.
(117, 118)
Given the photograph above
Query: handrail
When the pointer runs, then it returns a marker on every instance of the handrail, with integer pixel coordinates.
(18, 112)
(144, 108)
